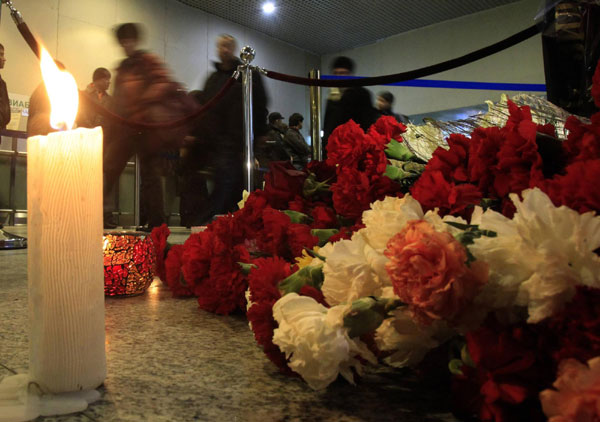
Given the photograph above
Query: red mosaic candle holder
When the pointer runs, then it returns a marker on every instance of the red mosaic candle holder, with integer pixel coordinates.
(129, 262)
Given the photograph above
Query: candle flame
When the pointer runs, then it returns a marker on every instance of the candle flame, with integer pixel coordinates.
(62, 91)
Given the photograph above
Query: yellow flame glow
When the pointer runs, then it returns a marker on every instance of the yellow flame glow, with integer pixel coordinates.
(63, 93)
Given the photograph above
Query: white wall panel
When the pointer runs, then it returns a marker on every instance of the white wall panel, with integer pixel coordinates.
(187, 44)
(83, 48)
(98, 13)
(22, 69)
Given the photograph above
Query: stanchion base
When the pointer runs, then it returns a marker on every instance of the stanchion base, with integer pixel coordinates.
(11, 241)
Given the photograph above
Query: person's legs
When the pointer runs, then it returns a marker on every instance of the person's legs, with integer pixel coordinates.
(114, 161)
(229, 178)
(151, 190)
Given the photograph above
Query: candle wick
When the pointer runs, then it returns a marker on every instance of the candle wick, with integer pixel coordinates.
(62, 126)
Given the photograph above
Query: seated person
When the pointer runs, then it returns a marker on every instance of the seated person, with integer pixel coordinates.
(294, 142)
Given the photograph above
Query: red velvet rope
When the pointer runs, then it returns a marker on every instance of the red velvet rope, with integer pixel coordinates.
(413, 74)
(162, 125)
(35, 47)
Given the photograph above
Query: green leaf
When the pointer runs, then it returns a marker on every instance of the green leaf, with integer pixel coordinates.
(315, 254)
(455, 366)
(312, 276)
(486, 203)
(312, 186)
(466, 356)
(298, 217)
(393, 172)
(468, 236)
(324, 234)
(398, 151)
(403, 170)
(367, 313)
(245, 267)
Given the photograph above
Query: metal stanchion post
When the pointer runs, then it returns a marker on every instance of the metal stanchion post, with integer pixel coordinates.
(16, 15)
(247, 55)
(136, 194)
(9, 240)
(315, 116)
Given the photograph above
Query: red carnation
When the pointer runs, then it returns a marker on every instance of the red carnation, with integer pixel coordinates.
(374, 161)
(432, 190)
(519, 162)
(223, 291)
(509, 371)
(282, 183)
(351, 193)
(576, 329)
(298, 238)
(249, 218)
(323, 218)
(583, 141)
(389, 128)
(577, 188)
(483, 148)
(298, 204)
(273, 237)
(260, 317)
(382, 186)
(346, 232)
(229, 228)
(174, 274)
(211, 268)
(346, 145)
(159, 236)
(453, 161)
(323, 171)
(265, 277)
(262, 282)
(316, 294)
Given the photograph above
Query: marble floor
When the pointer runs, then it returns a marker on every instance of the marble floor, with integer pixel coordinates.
(169, 361)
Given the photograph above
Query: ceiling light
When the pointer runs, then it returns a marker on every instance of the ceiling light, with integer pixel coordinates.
(268, 7)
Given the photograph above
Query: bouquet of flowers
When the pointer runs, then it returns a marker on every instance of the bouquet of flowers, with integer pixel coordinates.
(489, 251)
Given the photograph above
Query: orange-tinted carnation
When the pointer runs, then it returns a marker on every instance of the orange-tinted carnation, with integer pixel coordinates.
(429, 272)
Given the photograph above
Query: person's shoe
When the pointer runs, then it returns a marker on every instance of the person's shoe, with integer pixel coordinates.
(109, 222)
(109, 226)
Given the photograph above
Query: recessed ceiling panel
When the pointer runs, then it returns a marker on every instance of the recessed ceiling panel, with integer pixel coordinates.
(325, 26)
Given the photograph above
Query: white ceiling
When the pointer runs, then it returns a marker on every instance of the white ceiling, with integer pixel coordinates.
(329, 26)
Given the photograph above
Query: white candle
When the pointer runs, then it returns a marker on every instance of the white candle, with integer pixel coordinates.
(65, 266)
(65, 262)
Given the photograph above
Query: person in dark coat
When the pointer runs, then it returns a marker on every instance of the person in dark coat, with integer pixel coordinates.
(223, 126)
(294, 142)
(4, 102)
(385, 102)
(97, 92)
(271, 148)
(144, 91)
(194, 173)
(344, 104)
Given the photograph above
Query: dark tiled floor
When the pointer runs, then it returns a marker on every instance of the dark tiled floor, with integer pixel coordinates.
(169, 361)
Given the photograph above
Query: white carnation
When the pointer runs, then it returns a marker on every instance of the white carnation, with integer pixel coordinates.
(388, 217)
(409, 341)
(353, 270)
(539, 256)
(315, 341)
